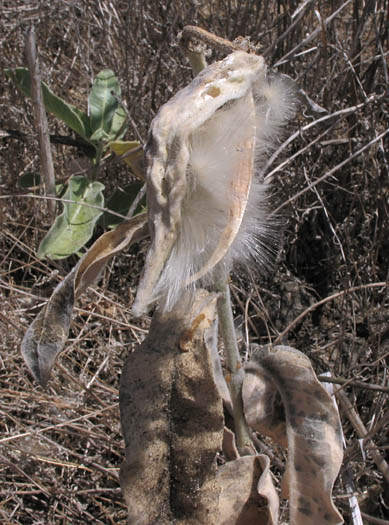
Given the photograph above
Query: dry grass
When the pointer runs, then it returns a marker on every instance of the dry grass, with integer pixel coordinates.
(61, 449)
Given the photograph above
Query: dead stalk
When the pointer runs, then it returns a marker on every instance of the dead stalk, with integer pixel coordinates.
(360, 428)
(40, 118)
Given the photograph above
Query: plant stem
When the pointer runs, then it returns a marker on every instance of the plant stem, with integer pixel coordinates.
(216, 42)
(40, 118)
(233, 362)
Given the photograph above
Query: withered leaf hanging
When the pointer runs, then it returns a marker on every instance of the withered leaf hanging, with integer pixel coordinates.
(47, 334)
(247, 492)
(308, 424)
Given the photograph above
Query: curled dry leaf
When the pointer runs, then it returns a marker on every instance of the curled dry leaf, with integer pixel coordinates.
(93, 262)
(247, 496)
(230, 449)
(263, 407)
(171, 443)
(47, 335)
(311, 429)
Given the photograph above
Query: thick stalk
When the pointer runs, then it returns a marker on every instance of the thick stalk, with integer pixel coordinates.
(233, 362)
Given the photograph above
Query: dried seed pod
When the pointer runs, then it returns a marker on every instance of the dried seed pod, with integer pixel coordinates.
(205, 205)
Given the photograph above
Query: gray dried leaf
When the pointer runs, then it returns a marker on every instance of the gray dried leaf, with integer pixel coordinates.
(311, 429)
(47, 335)
(247, 496)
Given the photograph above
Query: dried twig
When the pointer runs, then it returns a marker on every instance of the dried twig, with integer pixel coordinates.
(372, 519)
(311, 36)
(216, 42)
(40, 118)
(310, 309)
(353, 382)
(360, 428)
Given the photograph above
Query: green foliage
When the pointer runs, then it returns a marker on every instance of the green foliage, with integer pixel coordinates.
(76, 119)
(74, 227)
(105, 124)
(107, 118)
(118, 125)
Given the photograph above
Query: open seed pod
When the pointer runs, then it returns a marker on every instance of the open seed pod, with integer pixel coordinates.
(204, 203)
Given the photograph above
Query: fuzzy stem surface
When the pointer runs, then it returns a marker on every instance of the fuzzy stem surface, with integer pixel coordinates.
(233, 361)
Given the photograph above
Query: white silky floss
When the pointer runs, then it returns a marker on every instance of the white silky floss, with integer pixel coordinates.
(205, 190)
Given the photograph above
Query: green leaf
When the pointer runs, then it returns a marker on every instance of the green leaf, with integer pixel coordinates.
(103, 101)
(120, 202)
(73, 117)
(118, 126)
(99, 135)
(74, 227)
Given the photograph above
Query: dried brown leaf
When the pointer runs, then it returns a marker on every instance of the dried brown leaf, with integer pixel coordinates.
(47, 335)
(105, 247)
(312, 426)
(264, 410)
(229, 445)
(248, 496)
(172, 442)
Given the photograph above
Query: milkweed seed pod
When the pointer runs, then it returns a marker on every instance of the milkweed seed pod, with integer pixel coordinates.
(205, 192)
